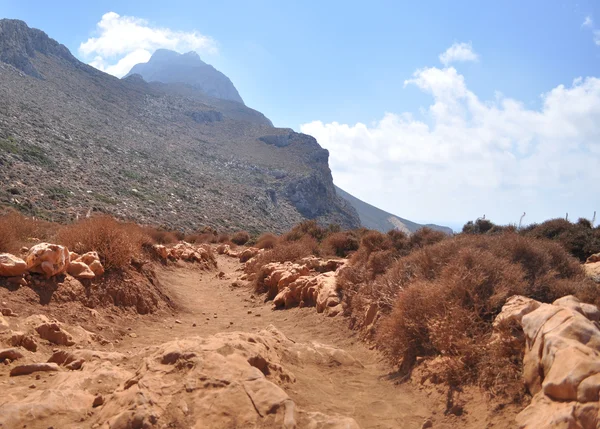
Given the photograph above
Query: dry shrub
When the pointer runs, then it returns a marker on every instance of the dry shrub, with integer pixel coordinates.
(223, 238)
(240, 238)
(426, 237)
(266, 241)
(17, 231)
(580, 239)
(340, 244)
(308, 228)
(160, 236)
(116, 242)
(441, 301)
(379, 261)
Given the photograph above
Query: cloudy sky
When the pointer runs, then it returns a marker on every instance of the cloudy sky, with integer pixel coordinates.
(435, 113)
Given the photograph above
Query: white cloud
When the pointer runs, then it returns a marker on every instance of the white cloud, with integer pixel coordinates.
(459, 52)
(588, 22)
(466, 157)
(123, 41)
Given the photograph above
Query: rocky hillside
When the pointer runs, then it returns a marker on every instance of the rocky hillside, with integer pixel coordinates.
(171, 67)
(373, 218)
(74, 140)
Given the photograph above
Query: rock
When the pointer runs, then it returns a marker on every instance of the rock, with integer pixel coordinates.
(561, 366)
(17, 281)
(97, 268)
(8, 312)
(48, 259)
(33, 367)
(594, 258)
(161, 251)
(427, 424)
(11, 266)
(23, 340)
(80, 270)
(12, 354)
(4, 326)
(55, 334)
(98, 400)
(248, 254)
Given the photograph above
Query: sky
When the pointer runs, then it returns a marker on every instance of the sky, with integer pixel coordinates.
(434, 111)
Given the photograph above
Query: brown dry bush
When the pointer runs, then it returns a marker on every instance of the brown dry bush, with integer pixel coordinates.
(266, 241)
(441, 301)
(240, 238)
(340, 244)
(426, 237)
(116, 242)
(160, 236)
(17, 231)
(580, 238)
(306, 228)
(223, 238)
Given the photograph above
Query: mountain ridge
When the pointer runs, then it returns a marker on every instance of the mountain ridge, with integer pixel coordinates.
(374, 218)
(168, 66)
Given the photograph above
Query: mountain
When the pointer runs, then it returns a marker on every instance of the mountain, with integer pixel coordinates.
(373, 218)
(75, 140)
(171, 67)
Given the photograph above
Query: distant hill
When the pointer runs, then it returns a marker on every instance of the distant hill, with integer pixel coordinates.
(373, 218)
(171, 67)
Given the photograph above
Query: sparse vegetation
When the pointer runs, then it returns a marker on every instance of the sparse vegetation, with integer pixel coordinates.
(116, 242)
(240, 238)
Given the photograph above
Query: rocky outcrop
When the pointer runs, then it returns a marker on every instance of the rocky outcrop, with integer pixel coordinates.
(200, 254)
(561, 366)
(226, 380)
(19, 44)
(307, 283)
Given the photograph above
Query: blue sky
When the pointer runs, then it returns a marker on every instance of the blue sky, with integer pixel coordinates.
(329, 68)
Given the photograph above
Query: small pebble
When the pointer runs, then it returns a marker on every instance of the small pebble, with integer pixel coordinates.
(32, 386)
(193, 325)
(178, 321)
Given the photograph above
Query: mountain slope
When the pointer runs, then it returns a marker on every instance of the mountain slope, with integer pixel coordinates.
(74, 139)
(373, 218)
(171, 67)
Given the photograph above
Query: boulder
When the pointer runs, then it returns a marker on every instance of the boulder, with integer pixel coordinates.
(11, 266)
(48, 259)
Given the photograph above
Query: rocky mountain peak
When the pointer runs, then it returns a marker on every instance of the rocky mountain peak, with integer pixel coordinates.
(168, 66)
(19, 44)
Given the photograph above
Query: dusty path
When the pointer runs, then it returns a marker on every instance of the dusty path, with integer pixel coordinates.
(209, 304)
